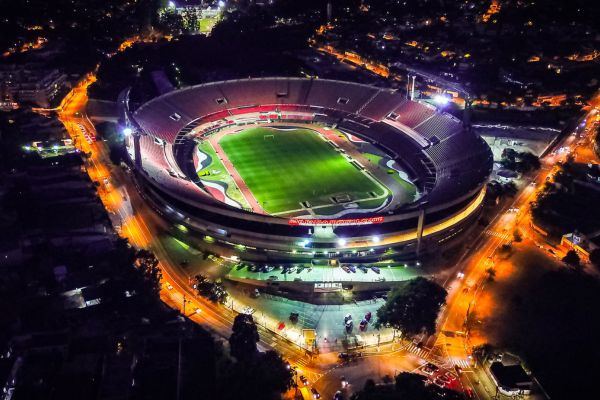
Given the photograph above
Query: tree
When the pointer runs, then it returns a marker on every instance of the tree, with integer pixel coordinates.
(413, 308)
(572, 259)
(243, 338)
(595, 258)
(266, 376)
(213, 291)
(147, 263)
(483, 352)
(409, 385)
(517, 235)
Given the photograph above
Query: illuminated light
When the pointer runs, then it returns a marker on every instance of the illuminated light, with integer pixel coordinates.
(209, 239)
(305, 243)
(221, 4)
(181, 228)
(337, 222)
(341, 242)
(294, 251)
(172, 4)
(440, 99)
(127, 131)
(376, 239)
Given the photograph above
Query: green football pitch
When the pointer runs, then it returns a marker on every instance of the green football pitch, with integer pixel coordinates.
(283, 168)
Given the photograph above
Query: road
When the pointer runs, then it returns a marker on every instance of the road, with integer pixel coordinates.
(137, 222)
(452, 340)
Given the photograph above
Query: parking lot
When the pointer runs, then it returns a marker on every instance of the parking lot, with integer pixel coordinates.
(310, 273)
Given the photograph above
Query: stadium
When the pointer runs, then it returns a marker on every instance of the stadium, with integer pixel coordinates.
(293, 168)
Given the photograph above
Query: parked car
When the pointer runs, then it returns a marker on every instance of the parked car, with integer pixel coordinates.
(368, 316)
(363, 268)
(352, 268)
(375, 269)
(349, 325)
(294, 316)
(363, 325)
(346, 269)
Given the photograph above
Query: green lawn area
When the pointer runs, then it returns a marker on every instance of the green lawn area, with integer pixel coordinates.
(294, 166)
(410, 188)
(216, 172)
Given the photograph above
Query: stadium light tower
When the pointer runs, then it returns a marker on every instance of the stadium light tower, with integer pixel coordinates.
(440, 99)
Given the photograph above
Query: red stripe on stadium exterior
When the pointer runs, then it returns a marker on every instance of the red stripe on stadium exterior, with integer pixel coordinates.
(351, 221)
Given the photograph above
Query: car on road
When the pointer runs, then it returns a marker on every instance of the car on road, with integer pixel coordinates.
(347, 317)
(338, 395)
(429, 369)
(248, 310)
(344, 382)
(368, 316)
(273, 278)
(291, 269)
(343, 356)
(315, 393)
(304, 380)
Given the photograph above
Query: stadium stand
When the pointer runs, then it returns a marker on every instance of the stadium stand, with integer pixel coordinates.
(448, 165)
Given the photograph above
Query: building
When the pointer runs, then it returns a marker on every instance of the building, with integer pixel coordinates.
(511, 379)
(30, 85)
(448, 164)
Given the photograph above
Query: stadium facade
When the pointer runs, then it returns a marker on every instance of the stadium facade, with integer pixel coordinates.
(448, 163)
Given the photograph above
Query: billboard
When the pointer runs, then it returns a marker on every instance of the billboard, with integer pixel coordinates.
(337, 222)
